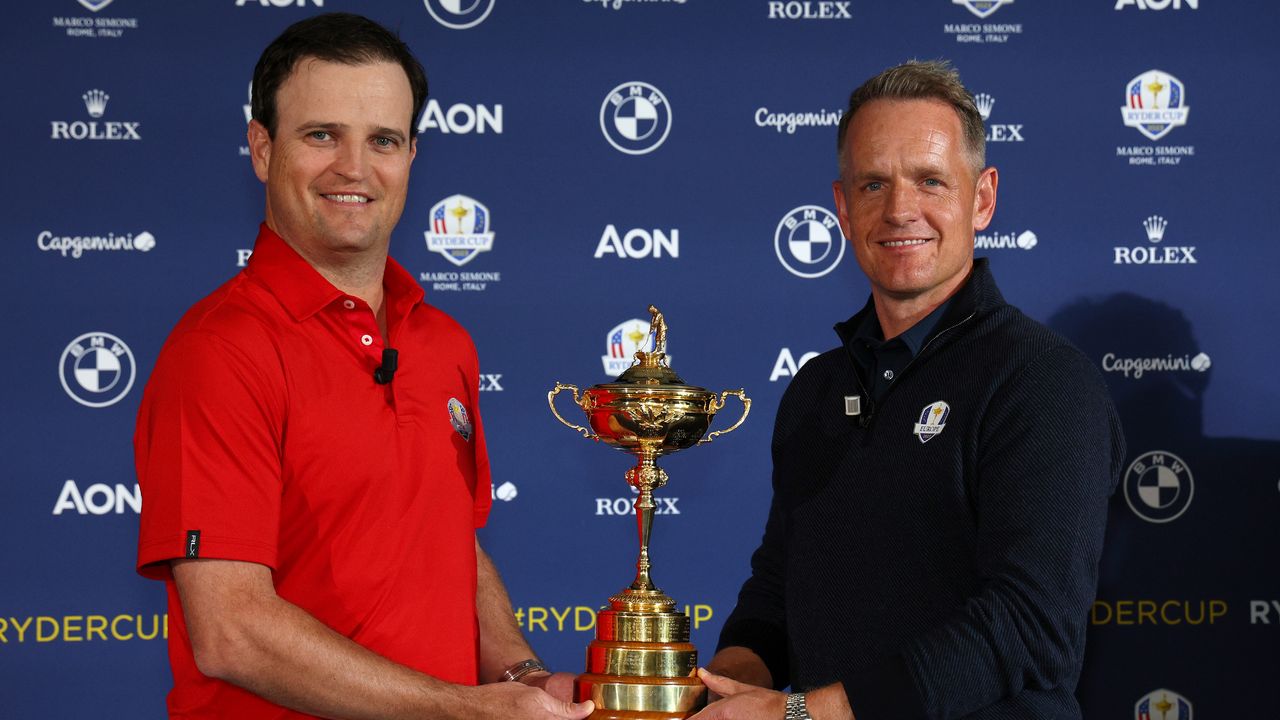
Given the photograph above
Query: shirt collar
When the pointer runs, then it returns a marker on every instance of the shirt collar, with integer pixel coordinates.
(303, 291)
(869, 330)
(978, 295)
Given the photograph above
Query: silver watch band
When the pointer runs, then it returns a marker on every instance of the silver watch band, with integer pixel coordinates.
(797, 709)
(522, 668)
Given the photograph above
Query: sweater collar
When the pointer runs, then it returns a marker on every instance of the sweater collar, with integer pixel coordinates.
(978, 295)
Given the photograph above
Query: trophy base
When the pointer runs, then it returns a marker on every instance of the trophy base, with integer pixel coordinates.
(641, 665)
(637, 715)
(640, 698)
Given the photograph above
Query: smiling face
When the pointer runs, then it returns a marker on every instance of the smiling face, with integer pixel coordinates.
(337, 170)
(910, 201)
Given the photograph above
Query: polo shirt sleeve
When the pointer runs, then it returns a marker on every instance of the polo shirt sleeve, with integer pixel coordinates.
(482, 494)
(208, 453)
(1048, 460)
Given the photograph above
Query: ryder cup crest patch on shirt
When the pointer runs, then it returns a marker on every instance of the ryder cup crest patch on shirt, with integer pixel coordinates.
(458, 417)
(932, 419)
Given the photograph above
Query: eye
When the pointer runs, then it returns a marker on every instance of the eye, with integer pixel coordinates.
(874, 185)
(383, 141)
(318, 135)
(933, 182)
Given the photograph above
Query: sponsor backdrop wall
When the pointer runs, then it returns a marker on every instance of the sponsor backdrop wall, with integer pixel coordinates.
(580, 159)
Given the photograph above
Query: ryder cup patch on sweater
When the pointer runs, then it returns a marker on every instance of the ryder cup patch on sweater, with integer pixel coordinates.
(932, 419)
(458, 416)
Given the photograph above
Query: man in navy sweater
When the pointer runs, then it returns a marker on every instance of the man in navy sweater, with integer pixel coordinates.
(941, 479)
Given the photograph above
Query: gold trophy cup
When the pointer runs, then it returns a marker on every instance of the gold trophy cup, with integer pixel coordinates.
(641, 666)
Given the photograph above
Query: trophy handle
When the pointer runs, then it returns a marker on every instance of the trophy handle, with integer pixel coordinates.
(552, 402)
(718, 405)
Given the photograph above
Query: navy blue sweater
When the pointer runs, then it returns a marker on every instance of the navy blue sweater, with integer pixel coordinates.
(938, 572)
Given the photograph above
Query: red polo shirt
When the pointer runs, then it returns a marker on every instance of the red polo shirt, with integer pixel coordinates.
(262, 430)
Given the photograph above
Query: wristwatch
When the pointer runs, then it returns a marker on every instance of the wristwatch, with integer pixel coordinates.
(522, 668)
(796, 708)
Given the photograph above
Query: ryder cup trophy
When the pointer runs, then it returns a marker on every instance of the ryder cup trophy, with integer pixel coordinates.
(641, 666)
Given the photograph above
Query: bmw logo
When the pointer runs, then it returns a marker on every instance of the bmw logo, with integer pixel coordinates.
(1158, 486)
(459, 14)
(97, 369)
(808, 241)
(635, 118)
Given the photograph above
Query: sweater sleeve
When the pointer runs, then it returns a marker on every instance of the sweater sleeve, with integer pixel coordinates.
(1047, 461)
(758, 623)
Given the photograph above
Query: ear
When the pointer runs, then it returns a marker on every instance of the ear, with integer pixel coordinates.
(259, 148)
(413, 148)
(984, 198)
(842, 209)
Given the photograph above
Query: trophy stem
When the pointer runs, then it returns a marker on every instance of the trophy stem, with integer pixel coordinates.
(645, 476)
(644, 518)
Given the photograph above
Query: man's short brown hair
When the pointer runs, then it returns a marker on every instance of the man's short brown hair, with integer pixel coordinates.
(921, 80)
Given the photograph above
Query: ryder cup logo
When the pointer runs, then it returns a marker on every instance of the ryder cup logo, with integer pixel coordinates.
(1158, 487)
(932, 419)
(459, 229)
(1162, 705)
(459, 14)
(1156, 104)
(97, 369)
(982, 8)
(635, 118)
(95, 5)
(808, 241)
(622, 344)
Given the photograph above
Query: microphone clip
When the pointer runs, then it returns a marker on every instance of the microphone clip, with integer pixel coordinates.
(390, 360)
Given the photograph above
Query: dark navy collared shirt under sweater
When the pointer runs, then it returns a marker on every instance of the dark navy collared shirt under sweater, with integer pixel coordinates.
(880, 361)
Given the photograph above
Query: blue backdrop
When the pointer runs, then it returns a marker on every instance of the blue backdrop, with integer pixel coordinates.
(627, 152)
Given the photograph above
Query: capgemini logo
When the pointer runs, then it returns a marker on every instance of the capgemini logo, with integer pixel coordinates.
(95, 101)
(1155, 226)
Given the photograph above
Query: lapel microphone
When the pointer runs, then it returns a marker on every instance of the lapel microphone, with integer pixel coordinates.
(861, 411)
(390, 360)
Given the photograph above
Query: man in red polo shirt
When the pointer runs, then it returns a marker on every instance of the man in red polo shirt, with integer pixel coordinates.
(311, 503)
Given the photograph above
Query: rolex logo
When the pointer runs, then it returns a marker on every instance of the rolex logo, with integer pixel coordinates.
(985, 103)
(1163, 255)
(1155, 226)
(95, 101)
(996, 132)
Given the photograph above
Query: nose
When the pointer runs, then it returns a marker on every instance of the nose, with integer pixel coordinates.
(901, 205)
(350, 161)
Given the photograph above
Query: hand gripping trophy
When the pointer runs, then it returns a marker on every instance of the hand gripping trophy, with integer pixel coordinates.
(641, 664)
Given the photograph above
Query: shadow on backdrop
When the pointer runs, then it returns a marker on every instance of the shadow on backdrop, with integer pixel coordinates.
(1188, 593)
